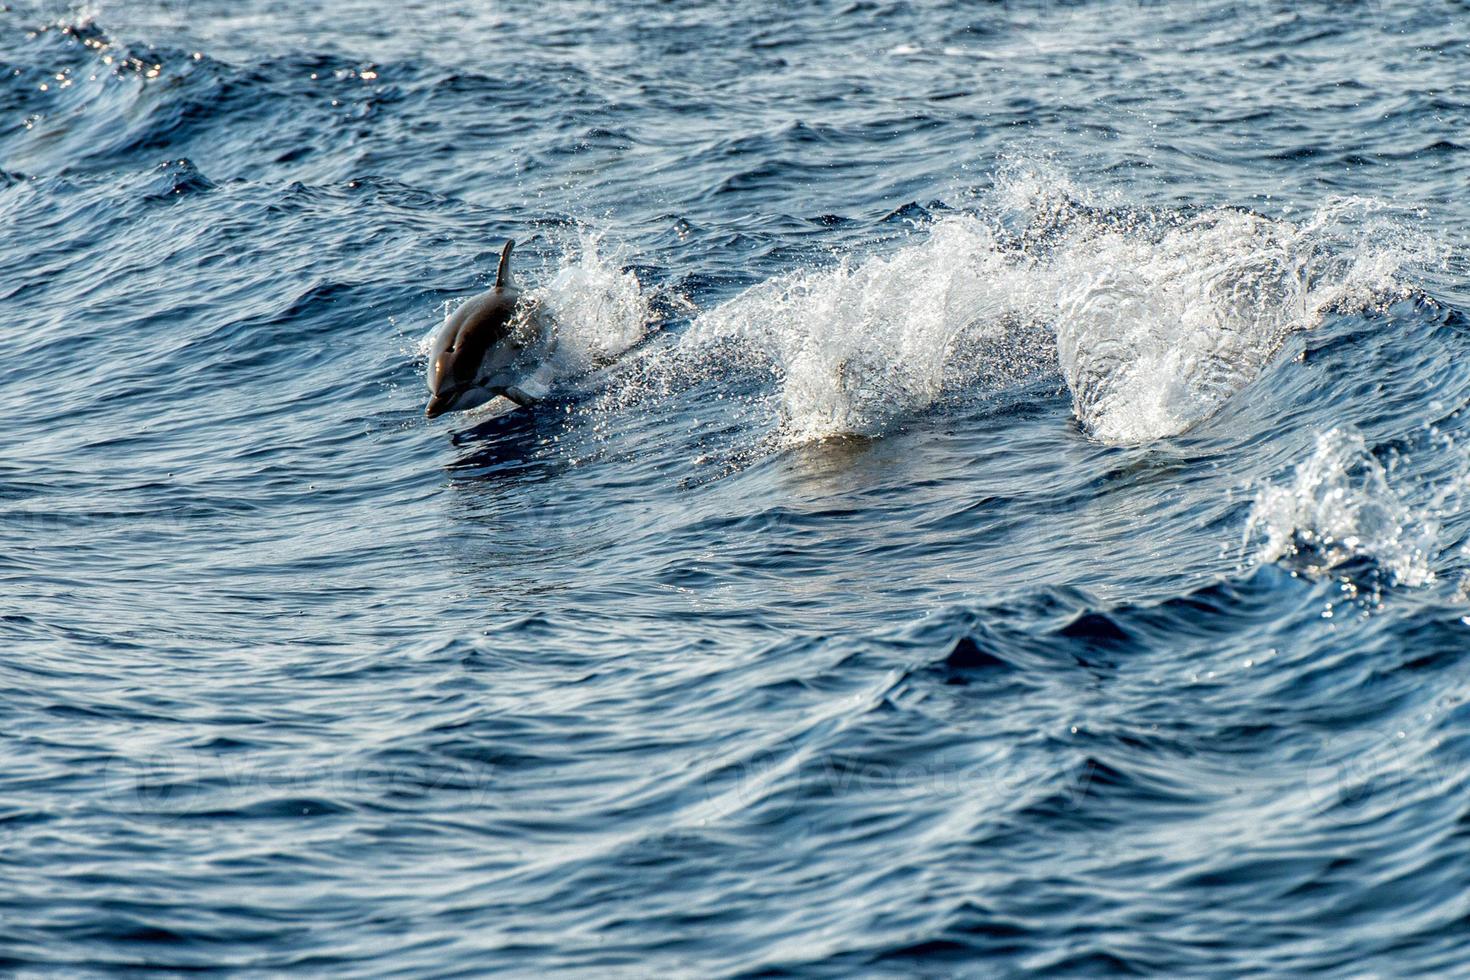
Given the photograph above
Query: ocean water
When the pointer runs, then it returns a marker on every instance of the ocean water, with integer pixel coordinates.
(1002, 509)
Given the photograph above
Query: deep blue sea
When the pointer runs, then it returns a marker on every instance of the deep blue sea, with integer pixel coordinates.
(1003, 509)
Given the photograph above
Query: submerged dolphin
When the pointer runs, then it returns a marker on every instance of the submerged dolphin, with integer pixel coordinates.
(497, 343)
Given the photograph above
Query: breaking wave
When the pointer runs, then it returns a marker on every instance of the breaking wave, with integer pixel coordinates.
(1162, 317)
(1153, 317)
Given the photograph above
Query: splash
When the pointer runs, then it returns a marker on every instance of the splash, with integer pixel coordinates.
(856, 346)
(601, 309)
(1340, 506)
(1161, 318)
(1154, 317)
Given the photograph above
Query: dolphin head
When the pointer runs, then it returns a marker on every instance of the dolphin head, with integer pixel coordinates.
(471, 355)
(458, 398)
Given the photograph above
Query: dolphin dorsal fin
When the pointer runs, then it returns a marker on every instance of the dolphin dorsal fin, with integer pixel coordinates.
(502, 275)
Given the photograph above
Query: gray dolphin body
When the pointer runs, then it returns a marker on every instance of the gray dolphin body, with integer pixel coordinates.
(495, 344)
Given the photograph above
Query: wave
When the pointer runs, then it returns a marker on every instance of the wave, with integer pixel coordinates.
(1152, 317)
(1163, 316)
(855, 347)
(94, 97)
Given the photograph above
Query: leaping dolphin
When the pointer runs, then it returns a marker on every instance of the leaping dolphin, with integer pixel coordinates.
(496, 343)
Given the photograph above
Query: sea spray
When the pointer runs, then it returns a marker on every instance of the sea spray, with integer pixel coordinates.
(1152, 317)
(856, 346)
(1340, 505)
(1161, 317)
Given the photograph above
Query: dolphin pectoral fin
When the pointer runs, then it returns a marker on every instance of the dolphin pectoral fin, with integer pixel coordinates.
(520, 397)
(502, 273)
(536, 385)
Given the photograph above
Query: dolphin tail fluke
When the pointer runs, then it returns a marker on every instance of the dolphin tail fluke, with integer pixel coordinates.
(502, 275)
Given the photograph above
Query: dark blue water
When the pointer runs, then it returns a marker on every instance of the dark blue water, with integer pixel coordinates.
(1004, 508)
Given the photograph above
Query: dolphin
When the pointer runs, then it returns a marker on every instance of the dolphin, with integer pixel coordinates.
(496, 344)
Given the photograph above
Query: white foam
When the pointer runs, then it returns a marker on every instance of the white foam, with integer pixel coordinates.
(1161, 319)
(854, 346)
(1156, 317)
(1153, 317)
(600, 308)
(1340, 505)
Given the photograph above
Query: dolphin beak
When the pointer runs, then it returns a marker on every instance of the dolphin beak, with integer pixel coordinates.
(436, 407)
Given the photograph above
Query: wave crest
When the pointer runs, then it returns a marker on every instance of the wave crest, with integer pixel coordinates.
(856, 346)
(1161, 318)
(1154, 317)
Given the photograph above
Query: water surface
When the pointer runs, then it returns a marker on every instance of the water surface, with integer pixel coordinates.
(1002, 511)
